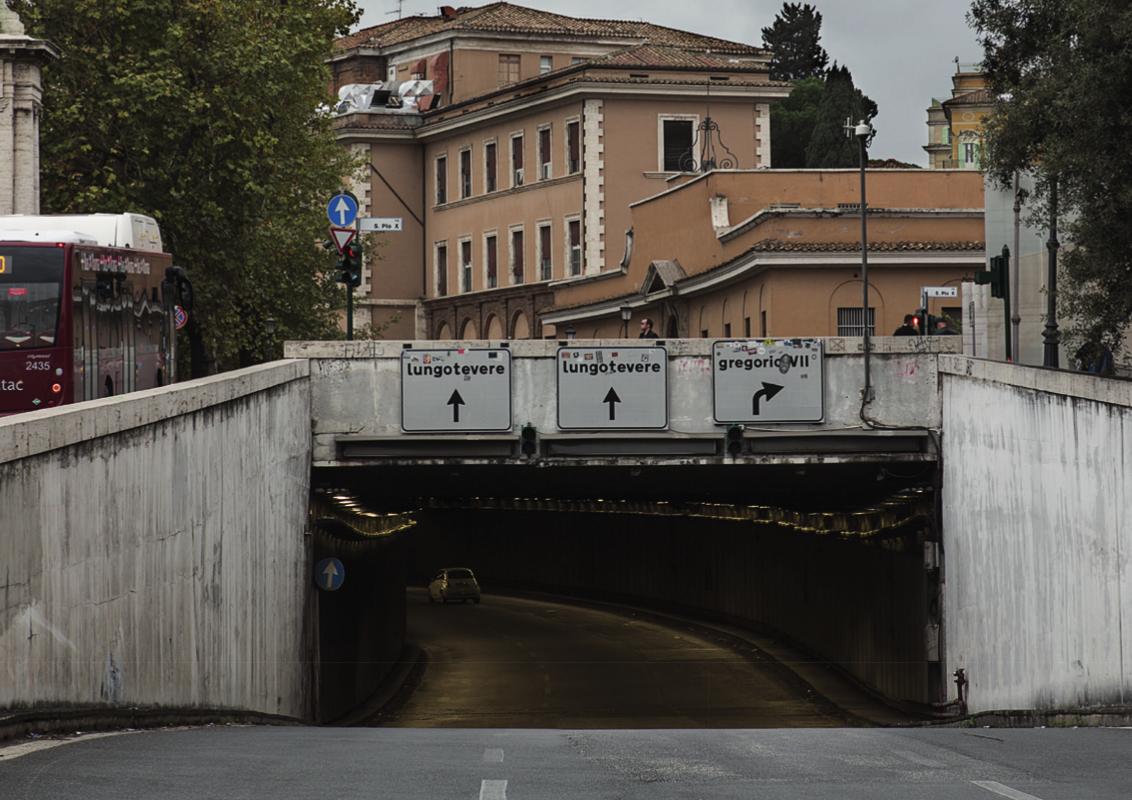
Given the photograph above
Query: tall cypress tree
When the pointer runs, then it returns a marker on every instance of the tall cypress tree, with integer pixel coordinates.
(792, 122)
(794, 39)
(829, 147)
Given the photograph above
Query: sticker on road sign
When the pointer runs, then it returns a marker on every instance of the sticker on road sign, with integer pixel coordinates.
(618, 388)
(768, 380)
(329, 574)
(462, 390)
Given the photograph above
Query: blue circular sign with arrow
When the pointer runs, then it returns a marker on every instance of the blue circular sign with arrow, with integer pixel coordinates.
(342, 209)
(329, 574)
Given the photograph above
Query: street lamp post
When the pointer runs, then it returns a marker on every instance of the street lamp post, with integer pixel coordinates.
(864, 133)
(1050, 335)
(626, 315)
(269, 327)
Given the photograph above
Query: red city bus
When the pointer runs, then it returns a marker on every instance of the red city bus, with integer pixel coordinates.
(80, 321)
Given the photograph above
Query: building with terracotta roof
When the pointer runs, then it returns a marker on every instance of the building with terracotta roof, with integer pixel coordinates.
(519, 168)
(777, 253)
(555, 173)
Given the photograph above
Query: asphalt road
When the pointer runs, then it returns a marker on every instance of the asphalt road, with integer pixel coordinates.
(515, 662)
(518, 764)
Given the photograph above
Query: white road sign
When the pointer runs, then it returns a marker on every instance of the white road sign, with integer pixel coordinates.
(768, 380)
(941, 291)
(383, 224)
(460, 390)
(619, 388)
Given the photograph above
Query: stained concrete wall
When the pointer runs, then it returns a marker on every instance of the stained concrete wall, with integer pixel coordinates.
(153, 548)
(1037, 528)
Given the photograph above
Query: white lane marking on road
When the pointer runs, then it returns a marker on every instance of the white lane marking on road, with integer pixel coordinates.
(916, 758)
(493, 790)
(1005, 791)
(493, 754)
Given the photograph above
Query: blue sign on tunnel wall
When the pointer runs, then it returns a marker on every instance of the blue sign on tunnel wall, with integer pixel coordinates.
(329, 574)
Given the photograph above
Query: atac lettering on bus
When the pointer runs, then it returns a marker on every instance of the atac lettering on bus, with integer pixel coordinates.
(762, 363)
(11, 386)
(94, 261)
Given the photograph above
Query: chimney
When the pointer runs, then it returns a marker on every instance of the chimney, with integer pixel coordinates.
(448, 12)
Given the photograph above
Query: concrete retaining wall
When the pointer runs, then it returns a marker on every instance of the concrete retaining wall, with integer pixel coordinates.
(152, 550)
(1037, 521)
(356, 388)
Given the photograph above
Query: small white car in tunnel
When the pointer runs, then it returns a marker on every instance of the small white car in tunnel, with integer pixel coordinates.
(454, 583)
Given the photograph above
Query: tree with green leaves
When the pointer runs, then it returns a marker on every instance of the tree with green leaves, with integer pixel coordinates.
(792, 124)
(1061, 71)
(795, 38)
(841, 101)
(204, 115)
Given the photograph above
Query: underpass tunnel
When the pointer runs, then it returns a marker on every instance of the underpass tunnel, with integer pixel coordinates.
(829, 556)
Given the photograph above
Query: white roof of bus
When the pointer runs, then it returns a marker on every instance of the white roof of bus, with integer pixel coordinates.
(134, 231)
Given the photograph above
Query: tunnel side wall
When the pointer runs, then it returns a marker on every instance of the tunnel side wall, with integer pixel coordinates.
(1037, 521)
(153, 550)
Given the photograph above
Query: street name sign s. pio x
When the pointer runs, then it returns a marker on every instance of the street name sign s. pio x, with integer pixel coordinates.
(768, 380)
(462, 390)
(612, 388)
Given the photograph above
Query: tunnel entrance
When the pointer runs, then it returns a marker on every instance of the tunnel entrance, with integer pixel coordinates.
(830, 556)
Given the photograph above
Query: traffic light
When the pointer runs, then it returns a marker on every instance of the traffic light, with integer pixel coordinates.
(997, 275)
(352, 264)
(733, 440)
(920, 320)
(528, 440)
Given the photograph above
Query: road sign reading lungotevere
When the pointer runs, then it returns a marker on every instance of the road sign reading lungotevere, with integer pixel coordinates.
(620, 388)
(461, 390)
(768, 380)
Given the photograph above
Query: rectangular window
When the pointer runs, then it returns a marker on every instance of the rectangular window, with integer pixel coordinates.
(492, 263)
(762, 321)
(466, 263)
(465, 173)
(546, 270)
(545, 64)
(508, 70)
(677, 145)
(573, 147)
(517, 160)
(442, 270)
(575, 228)
(727, 330)
(441, 181)
(490, 167)
(516, 256)
(543, 154)
(747, 327)
(850, 322)
(970, 155)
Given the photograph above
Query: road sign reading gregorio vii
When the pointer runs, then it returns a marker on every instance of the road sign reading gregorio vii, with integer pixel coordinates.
(768, 380)
(461, 390)
(620, 388)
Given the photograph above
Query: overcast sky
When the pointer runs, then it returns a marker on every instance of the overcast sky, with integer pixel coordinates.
(901, 52)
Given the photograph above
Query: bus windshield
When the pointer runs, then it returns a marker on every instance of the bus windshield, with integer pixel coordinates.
(31, 290)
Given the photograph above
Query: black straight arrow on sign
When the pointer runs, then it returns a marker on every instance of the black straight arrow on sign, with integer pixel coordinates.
(768, 391)
(613, 400)
(455, 401)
